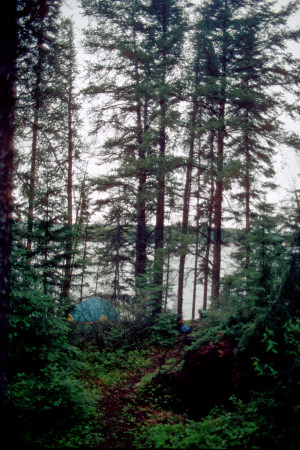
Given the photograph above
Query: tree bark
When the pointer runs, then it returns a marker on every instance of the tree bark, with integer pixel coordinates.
(186, 207)
(43, 11)
(206, 269)
(33, 171)
(69, 243)
(160, 217)
(8, 50)
(216, 267)
(247, 192)
(198, 214)
(141, 235)
(84, 258)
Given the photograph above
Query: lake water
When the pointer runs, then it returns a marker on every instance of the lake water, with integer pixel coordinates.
(89, 290)
(189, 284)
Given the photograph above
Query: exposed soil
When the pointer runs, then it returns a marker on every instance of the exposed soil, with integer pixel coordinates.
(123, 409)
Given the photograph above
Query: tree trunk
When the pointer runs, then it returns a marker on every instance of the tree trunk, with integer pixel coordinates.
(168, 266)
(206, 269)
(216, 267)
(46, 242)
(247, 192)
(83, 261)
(185, 212)
(35, 130)
(197, 236)
(158, 275)
(78, 219)
(32, 176)
(8, 49)
(141, 235)
(195, 268)
(117, 247)
(69, 243)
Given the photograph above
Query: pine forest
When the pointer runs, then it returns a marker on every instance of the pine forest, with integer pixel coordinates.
(150, 224)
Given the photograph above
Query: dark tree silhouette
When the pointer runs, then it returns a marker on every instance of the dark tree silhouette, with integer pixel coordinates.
(7, 107)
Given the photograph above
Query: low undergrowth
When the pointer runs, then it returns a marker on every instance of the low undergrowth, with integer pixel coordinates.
(128, 396)
(221, 429)
(112, 368)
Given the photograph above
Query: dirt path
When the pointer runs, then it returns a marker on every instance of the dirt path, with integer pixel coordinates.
(122, 410)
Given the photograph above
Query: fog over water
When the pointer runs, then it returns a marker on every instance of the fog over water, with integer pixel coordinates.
(226, 268)
(189, 283)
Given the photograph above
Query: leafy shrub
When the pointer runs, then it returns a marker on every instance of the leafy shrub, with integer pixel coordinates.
(48, 405)
(128, 334)
(162, 395)
(46, 398)
(277, 369)
(219, 430)
(111, 367)
(164, 329)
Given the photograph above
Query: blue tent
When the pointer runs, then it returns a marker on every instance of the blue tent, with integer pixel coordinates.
(94, 309)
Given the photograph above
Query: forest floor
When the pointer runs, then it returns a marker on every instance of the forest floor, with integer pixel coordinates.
(124, 409)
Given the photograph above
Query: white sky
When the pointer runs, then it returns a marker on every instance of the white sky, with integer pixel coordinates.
(287, 163)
